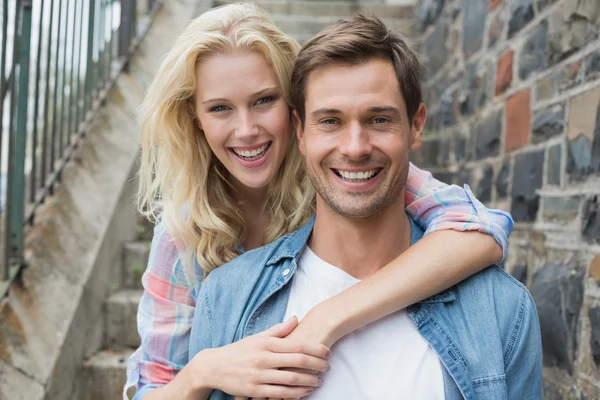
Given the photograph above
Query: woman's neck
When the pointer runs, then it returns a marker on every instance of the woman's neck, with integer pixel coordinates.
(252, 202)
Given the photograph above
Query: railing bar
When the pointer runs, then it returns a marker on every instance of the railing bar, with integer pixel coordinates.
(71, 85)
(20, 134)
(34, 139)
(3, 86)
(110, 37)
(133, 25)
(47, 99)
(90, 54)
(101, 44)
(64, 78)
(8, 217)
(12, 82)
(79, 62)
(96, 56)
(54, 105)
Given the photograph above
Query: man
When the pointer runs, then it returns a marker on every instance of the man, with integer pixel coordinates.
(359, 115)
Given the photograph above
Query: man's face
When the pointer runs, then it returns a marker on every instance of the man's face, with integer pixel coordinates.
(357, 137)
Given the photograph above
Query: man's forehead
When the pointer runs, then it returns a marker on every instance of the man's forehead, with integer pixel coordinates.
(366, 85)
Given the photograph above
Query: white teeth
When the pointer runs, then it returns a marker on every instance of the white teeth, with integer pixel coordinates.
(251, 154)
(357, 175)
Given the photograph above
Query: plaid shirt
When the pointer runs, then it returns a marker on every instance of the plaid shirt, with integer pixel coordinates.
(167, 306)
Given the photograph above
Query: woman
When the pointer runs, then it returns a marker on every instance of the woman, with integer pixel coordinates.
(222, 173)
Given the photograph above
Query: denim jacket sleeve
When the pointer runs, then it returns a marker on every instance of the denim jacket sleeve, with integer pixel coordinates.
(202, 327)
(436, 206)
(523, 354)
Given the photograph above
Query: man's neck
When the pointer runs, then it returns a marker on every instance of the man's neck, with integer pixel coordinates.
(361, 246)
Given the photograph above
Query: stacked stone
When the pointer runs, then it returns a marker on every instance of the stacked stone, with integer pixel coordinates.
(513, 93)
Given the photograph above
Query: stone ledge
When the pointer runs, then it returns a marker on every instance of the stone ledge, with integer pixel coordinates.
(15, 385)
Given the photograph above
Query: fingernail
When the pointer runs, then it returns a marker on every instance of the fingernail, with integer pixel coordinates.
(320, 382)
(328, 354)
(328, 368)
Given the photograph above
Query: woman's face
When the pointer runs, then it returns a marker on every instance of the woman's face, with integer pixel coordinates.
(244, 115)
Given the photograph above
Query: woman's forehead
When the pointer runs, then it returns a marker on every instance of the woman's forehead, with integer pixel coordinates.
(240, 72)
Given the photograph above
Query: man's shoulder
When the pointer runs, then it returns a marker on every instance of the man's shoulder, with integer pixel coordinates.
(495, 288)
(492, 278)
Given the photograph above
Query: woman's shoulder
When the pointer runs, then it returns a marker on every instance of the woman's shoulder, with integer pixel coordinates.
(167, 254)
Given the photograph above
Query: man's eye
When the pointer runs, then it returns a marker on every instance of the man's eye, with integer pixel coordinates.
(329, 121)
(265, 100)
(218, 108)
(380, 120)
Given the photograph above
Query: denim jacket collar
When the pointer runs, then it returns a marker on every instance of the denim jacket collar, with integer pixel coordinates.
(293, 244)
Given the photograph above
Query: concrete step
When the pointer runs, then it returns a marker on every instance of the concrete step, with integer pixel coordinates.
(121, 318)
(311, 25)
(104, 375)
(332, 8)
(135, 261)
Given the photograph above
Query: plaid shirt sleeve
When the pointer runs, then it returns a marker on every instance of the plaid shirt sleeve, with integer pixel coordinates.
(436, 206)
(164, 318)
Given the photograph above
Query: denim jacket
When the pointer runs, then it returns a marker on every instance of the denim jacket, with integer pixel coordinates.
(485, 329)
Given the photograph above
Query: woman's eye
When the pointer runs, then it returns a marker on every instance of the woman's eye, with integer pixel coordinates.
(265, 100)
(218, 108)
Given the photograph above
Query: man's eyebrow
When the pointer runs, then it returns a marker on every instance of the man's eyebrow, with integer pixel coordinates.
(222, 100)
(384, 109)
(326, 111)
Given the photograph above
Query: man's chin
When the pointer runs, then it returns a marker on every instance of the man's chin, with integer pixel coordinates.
(355, 211)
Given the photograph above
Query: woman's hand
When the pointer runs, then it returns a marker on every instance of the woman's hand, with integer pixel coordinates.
(315, 327)
(253, 367)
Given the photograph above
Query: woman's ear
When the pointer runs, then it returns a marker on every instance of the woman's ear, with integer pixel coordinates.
(198, 123)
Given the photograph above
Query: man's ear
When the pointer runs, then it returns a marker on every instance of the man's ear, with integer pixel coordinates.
(418, 127)
(299, 131)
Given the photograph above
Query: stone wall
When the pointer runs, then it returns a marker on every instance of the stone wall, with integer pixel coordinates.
(513, 93)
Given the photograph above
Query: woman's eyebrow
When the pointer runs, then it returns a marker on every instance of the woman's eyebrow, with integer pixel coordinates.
(222, 99)
(265, 90)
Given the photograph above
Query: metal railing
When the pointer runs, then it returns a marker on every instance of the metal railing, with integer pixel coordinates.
(58, 61)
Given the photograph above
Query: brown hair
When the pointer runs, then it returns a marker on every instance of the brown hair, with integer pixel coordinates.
(354, 42)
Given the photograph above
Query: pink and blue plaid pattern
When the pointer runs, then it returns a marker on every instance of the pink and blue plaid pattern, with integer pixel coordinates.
(167, 306)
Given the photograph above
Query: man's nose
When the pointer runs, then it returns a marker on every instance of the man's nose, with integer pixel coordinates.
(355, 142)
(247, 127)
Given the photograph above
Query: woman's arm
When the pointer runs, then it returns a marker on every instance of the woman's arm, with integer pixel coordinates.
(444, 257)
(165, 316)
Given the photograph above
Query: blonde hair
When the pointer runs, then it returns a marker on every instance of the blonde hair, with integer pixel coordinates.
(182, 183)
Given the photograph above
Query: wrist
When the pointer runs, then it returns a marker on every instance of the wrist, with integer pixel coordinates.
(329, 325)
(198, 377)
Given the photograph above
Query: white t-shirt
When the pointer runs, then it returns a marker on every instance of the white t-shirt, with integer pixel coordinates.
(387, 359)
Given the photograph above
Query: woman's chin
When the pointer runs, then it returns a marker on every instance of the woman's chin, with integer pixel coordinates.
(254, 182)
